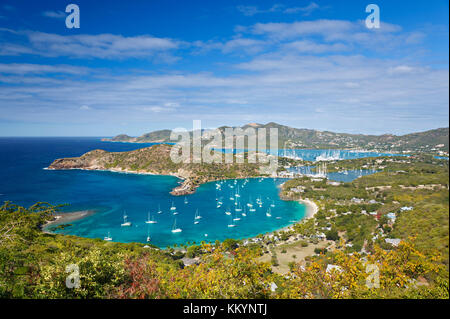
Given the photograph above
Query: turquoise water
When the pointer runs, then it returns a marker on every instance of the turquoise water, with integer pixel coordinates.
(138, 195)
(24, 181)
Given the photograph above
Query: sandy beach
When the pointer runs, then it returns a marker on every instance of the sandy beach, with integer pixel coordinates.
(64, 218)
(311, 207)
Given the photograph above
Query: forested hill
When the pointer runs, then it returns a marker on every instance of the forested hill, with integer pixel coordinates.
(433, 141)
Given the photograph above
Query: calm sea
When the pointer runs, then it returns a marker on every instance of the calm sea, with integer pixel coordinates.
(24, 181)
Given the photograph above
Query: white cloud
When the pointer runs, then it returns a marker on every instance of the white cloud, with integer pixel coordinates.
(54, 14)
(105, 46)
(252, 10)
(307, 10)
(303, 28)
(27, 68)
(306, 46)
(85, 108)
(307, 72)
(307, 89)
(280, 8)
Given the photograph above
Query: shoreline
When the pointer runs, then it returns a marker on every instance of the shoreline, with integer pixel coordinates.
(63, 218)
(311, 210)
(311, 207)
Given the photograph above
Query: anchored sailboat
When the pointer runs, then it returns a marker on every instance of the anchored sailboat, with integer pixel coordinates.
(150, 220)
(231, 224)
(175, 229)
(125, 223)
(108, 238)
(237, 193)
(173, 207)
(159, 209)
(197, 217)
(249, 204)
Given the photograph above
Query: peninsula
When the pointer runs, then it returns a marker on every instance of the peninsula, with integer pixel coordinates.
(156, 160)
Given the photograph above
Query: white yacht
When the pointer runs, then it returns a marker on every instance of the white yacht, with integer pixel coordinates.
(175, 229)
(125, 223)
(150, 220)
(108, 238)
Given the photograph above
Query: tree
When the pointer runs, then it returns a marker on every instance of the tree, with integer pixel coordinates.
(332, 234)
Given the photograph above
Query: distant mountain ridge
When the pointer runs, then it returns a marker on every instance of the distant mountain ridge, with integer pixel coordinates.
(434, 141)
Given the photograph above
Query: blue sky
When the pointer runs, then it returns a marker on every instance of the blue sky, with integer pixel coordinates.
(137, 66)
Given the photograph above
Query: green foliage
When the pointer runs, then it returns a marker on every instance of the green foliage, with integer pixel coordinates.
(332, 235)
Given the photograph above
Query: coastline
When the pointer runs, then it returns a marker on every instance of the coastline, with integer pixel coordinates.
(63, 218)
(311, 207)
(311, 210)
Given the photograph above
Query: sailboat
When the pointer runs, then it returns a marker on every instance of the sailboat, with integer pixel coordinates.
(175, 229)
(237, 193)
(239, 208)
(268, 213)
(259, 200)
(173, 207)
(159, 209)
(148, 235)
(150, 220)
(125, 223)
(197, 217)
(186, 200)
(249, 204)
(108, 238)
(231, 224)
(244, 213)
(228, 211)
(236, 218)
(273, 204)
